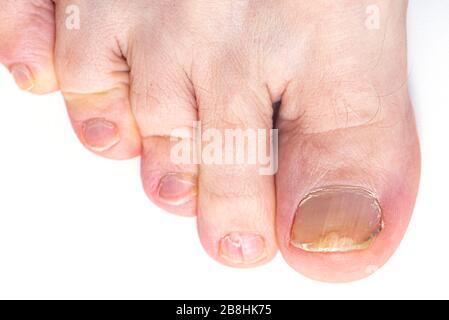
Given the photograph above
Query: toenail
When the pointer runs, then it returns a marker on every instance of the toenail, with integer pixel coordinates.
(337, 219)
(242, 248)
(100, 135)
(23, 77)
(177, 188)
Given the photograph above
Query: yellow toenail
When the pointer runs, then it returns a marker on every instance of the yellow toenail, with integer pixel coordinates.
(337, 219)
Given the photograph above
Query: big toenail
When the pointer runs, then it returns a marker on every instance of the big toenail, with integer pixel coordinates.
(177, 188)
(100, 135)
(337, 219)
(242, 248)
(23, 77)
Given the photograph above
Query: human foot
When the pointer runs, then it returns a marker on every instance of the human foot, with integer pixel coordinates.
(347, 132)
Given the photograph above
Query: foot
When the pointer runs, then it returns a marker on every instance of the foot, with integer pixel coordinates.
(348, 148)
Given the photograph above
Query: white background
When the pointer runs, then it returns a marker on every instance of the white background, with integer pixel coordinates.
(73, 225)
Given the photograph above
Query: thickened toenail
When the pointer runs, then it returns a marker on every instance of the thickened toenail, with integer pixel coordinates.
(23, 77)
(337, 219)
(177, 188)
(100, 135)
(242, 248)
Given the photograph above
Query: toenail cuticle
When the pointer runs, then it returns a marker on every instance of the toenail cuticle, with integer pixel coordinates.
(100, 135)
(337, 219)
(242, 248)
(177, 188)
(23, 77)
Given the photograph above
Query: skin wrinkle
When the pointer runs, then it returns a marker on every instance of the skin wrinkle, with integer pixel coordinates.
(367, 169)
(79, 96)
(321, 171)
(369, 121)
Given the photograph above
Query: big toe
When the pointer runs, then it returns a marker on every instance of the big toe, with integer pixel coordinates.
(346, 192)
(349, 159)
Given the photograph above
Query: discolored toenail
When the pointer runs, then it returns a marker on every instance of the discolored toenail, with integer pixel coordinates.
(23, 77)
(100, 135)
(337, 219)
(177, 188)
(242, 248)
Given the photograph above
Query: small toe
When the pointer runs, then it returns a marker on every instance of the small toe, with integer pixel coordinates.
(94, 79)
(27, 38)
(236, 203)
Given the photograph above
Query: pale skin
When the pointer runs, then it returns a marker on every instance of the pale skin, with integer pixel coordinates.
(137, 70)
